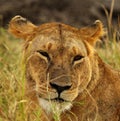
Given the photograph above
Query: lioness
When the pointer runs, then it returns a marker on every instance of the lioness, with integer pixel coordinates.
(64, 73)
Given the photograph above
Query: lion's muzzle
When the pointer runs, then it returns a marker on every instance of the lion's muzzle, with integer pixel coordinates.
(59, 89)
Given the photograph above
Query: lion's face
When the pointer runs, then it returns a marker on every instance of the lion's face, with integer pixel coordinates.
(60, 68)
(59, 65)
(58, 61)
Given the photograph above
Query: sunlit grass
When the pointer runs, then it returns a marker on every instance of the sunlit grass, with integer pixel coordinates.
(11, 80)
(110, 53)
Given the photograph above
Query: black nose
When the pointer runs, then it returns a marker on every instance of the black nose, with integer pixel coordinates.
(58, 88)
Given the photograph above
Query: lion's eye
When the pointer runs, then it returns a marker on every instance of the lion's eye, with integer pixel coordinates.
(45, 54)
(77, 58)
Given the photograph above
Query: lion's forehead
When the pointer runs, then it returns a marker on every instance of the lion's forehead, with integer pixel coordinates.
(54, 42)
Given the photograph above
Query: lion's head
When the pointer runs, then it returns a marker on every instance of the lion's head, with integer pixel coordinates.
(60, 60)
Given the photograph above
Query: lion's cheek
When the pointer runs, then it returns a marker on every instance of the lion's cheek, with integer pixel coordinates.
(37, 69)
(70, 95)
(84, 76)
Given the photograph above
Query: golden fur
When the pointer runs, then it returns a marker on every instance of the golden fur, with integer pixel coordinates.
(65, 75)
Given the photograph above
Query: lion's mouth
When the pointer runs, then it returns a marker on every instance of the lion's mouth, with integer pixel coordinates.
(58, 99)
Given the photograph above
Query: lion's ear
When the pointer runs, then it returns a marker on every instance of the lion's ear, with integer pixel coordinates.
(92, 33)
(21, 27)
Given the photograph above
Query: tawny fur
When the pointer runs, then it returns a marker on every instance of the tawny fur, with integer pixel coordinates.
(94, 83)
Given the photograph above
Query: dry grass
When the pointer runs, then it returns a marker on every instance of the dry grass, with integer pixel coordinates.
(11, 80)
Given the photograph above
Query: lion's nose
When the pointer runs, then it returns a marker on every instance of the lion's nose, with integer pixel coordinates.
(59, 88)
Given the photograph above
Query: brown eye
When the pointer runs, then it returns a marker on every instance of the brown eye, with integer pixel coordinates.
(77, 58)
(45, 54)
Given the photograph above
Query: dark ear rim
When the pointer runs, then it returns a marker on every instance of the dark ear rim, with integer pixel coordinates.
(93, 32)
(99, 26)
(20, 27)
(18, 18)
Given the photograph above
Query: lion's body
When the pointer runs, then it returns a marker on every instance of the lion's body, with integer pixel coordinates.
(65, 75)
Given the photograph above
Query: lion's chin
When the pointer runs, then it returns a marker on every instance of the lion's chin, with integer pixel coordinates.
(54, 106)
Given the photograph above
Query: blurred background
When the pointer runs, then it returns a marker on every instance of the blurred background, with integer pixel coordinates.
(74, 12)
